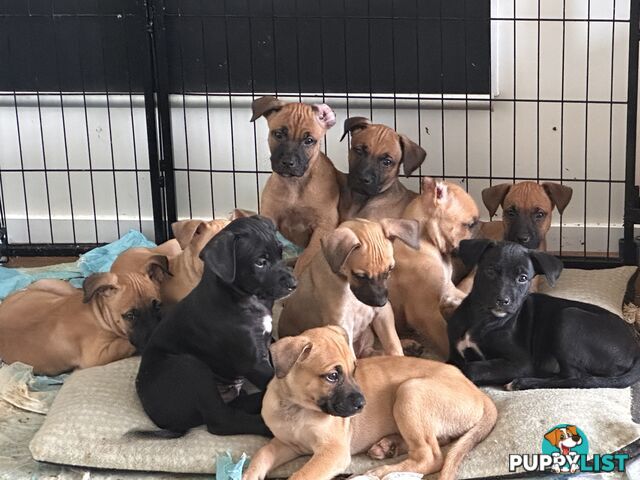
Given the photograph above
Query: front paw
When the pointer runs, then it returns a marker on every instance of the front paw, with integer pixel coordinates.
(517, 384)
(412, 348)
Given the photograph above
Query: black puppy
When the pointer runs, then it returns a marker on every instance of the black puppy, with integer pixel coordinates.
(500, 334)
(218, 336)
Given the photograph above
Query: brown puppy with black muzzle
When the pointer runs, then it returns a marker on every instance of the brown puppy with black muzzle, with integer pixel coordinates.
(346, 285)
(421, 286)
(56, 328)
(371, 189)
(322, 402)
(185, 265)
(302, 194)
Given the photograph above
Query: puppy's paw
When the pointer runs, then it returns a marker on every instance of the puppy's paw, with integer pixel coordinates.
(555, 468)
(412, 348)
(516, 384)
(388, 447)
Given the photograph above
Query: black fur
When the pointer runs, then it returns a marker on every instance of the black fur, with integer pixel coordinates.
(215, 336)
(535, 340)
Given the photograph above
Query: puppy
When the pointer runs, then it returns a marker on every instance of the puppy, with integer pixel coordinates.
(371, 189)
(194, 365)
(56, 328)
(501, 334)
(564, 439)
(346, 285)
(302, 194)
(421, 285)
(324, 404)
(185, 265)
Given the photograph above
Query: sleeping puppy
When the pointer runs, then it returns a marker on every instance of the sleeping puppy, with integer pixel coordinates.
(501, 334)
(56, 328)
(194, 365)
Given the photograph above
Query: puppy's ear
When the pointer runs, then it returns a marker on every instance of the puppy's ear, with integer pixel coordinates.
(338, 329)
(158, 268)
(286, 352)
(337, 246)
(352, 124)
(412, 155)
(265, 221)
(219, 255)
(241, 213)
(104, 284)
(434, 191)
(560, 195)
(185, 230)
(547, 265)
(494, 196)
(553, 436)
(406, 230)
(471, 251)
(325, 115)
(264, 106)
(572, 429)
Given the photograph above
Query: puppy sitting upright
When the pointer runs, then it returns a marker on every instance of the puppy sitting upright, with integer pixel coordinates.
(301, 195)
(346, 285)
(217, 336)
(500, 334)
(371, 189)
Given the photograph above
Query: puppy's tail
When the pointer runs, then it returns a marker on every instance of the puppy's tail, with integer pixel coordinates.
(153, 434)
(470, 439)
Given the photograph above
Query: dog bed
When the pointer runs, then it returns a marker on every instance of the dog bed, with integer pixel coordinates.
(89, 420)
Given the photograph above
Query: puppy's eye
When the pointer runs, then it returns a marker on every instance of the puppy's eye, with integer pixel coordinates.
(471, 225)
(130, 316)
(261, 263)
(278, 134)
(523, 278)
(332, 377)
(386, 161)
(309, 141)
(512, 212)
(540, 214)
(359, 150)
(360, 276)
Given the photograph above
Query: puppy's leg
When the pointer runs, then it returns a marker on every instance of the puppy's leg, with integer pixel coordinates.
(388, 447)
(326, 462)
(427, 320)
(497, 371)
(272, 455)
(384, 327)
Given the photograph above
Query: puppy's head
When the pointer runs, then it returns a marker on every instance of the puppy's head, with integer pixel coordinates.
(376, 154)
(504, 274)
(247, 255)
(120, 298)
(564, 438)
(447, 213)
(195, 234)
(526, 208)
(295, 131)
(362, 252)
(317, 371)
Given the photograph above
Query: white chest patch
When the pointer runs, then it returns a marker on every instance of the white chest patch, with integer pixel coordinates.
(267, 323)
(465, 343)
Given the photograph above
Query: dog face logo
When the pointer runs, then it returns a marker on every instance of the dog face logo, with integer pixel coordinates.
(564, 439)
(567, 443)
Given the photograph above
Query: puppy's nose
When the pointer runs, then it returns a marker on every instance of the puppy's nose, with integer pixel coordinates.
(155, 304)
(502, 301)
(289, 282)
(523, 238)
(357, 401)
(366, 180)
(287, 162)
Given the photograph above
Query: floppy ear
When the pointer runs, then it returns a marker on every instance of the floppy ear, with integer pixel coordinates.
(412, 155)
(354, 123)
(286, 352)
(572, 429)
(553, 436)
(185, 230)
(494, 196)
(325, 115)
(560, 195)
(158, 268)
(219, 255)
(406, 230)
(547, 265)
(337, 246)
(104, 284)
(264, 106)
(471, 251)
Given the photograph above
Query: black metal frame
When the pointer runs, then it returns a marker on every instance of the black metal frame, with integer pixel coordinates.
(159, 132)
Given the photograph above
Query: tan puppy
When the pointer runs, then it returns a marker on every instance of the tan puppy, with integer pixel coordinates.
(346, 285)
(185, 266)
(301, 195)
(371, 189)
(316, 405)
(421, 285)
(56, 328)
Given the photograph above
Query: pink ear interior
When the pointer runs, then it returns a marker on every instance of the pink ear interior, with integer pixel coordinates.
(326, 116)
(439, 192)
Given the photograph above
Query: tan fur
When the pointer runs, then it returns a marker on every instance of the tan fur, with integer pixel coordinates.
(554, 435)
(324, 296)
(421, 284)
(185, 265)
(394, 198)
(428, 403)
(51, 327)
(303, 208)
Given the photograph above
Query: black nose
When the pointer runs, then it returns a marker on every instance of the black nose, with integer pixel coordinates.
(366, 180)
(575, 438)
(287, 162)
(155, 304)
(502, 301)
(357, 401)
(289, 282)
(523, 238)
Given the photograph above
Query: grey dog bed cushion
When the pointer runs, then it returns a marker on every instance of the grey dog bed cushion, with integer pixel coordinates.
(88, 422)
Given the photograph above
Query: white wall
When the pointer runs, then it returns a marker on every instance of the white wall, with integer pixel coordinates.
(577, 131)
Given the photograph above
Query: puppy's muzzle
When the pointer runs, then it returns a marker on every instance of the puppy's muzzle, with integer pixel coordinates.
(289, 161)
(344, 403)
(364, 182)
